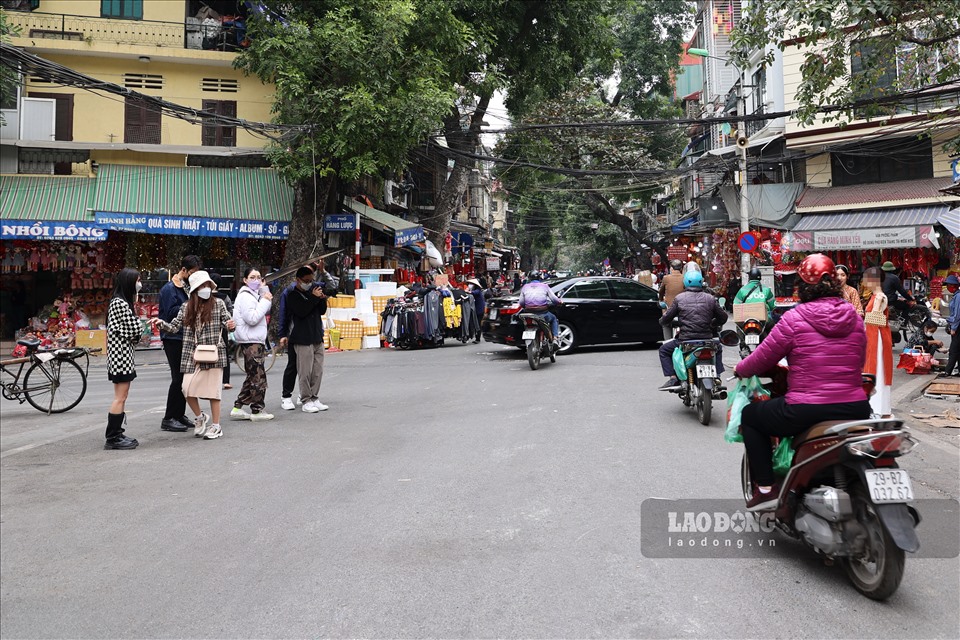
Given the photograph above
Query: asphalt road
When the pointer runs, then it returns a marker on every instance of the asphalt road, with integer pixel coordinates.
(446, 493)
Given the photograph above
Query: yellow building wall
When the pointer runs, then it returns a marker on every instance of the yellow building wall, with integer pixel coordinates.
(100, 118)
(163, 10)
(818, 171)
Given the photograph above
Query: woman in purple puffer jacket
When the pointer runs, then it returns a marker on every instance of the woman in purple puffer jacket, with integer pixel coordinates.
(824, 342)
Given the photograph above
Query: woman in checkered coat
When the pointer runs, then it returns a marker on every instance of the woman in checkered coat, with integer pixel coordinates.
(123, 332)
(203, 319)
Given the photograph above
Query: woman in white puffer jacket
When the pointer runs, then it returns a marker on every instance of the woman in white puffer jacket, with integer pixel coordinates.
(250, 313)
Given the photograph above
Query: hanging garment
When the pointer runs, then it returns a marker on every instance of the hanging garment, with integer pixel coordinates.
(432, 318)
(452, 313)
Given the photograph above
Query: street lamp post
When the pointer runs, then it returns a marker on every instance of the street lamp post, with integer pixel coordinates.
(742, 141)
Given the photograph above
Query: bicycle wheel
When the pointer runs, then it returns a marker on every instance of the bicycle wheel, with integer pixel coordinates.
(55, 386)
(270, 356)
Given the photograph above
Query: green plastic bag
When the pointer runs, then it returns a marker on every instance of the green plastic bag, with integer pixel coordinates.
(679, 366)
(743, 393)
(783, 456)
(737, 399)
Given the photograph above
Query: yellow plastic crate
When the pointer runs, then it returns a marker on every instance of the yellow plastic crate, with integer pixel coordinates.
(351, 344)
(349, 329)
(342, 302)
(380, 303)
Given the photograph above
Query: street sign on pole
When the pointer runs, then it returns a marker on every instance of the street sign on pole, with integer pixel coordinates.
(748, 242)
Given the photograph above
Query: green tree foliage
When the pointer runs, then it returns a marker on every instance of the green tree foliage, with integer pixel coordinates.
(366, 80)
(856, 48)
(359, 75)
(8, 79)
(649, 37)
(530, 50)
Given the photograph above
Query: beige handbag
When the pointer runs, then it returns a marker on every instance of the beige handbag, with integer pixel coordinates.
(206, 354)
(875, 318)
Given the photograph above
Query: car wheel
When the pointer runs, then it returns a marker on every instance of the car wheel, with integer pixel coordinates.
(567, 339)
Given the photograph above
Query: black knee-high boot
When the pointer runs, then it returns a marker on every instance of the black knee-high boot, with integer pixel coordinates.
(114, 434)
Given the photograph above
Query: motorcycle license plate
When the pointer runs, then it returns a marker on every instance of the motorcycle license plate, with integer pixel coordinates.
(889, 486)
(493, 314)
(530, 335)
(753, 339)
(706, 371)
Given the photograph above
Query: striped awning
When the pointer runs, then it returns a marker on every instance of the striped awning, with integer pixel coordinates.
(207, 192)
(66, 199)
(872, 218)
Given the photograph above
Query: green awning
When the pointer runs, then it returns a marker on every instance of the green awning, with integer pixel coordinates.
(403, 231)
(46, 198)
(206, 192)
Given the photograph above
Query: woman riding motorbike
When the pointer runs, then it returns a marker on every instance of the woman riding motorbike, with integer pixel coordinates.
(824, 342)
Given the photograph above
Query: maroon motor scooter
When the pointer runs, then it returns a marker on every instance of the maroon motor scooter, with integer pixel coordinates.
(845, 497)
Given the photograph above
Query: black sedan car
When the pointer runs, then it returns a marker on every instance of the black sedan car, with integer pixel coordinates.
(595, 310)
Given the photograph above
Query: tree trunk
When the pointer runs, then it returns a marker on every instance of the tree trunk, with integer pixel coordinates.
(605, 211)
(307, 221)
(437, 224)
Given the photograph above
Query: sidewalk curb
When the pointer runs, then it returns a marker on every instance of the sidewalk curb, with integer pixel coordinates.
(911, 390)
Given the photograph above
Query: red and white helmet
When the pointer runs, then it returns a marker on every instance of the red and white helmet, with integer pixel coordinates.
(814, 267)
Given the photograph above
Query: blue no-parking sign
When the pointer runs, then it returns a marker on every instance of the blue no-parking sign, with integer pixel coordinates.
(748, 242)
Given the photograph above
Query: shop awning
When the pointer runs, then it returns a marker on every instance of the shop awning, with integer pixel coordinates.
(46, 198)
(204, 201)
(684, 225)
(771, 205)
(404, 232)
(47, 208)
(951, 221)
(872, 218)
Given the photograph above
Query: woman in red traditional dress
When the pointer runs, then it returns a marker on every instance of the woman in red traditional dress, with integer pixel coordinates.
(879, 342)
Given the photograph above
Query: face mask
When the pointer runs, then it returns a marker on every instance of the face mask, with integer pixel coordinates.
(205, 293)
(139, 286)
(253, 285)
(929, 335)
(305, 285)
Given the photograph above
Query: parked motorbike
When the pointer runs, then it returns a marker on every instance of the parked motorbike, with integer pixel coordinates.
(903, 324)
(845, 497)
(699, 384)
(538, 339)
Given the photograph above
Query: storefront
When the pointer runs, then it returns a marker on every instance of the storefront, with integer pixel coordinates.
(63, 239)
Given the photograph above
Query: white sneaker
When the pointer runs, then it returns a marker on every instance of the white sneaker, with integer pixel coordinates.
(299, 400)
(261, 417)
(309, 407)
(200, 425)
(213, 432)
(320, 406)
(287, 404)
(239, 414)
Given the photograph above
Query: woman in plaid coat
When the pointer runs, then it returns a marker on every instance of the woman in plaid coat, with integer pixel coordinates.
(123, 331)
(203, 319)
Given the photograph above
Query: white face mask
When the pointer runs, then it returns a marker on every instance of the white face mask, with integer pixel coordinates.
(205, 293)
(139, 286)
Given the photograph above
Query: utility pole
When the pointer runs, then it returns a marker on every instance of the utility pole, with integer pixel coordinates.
(743, 142)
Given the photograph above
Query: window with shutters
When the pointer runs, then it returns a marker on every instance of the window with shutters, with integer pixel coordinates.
(220, 136)
(125, 9)
(141, 122)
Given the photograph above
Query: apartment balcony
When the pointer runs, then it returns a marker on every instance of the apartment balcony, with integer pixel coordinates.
(55, 31)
